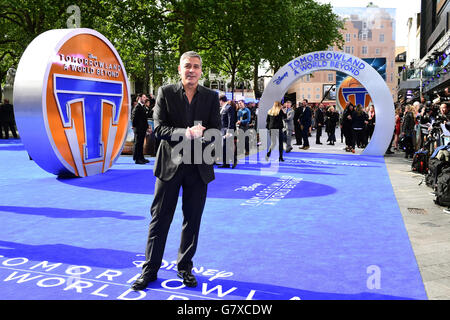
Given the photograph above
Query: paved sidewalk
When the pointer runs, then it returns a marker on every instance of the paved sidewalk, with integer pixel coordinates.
(427, 224)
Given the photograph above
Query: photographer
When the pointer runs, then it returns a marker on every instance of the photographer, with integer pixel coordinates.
(425, 121)
(439, 124)
(443, 112)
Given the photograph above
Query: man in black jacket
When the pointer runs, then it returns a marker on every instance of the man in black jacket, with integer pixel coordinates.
(7, 119)
(178, 107)
(305, 123)
(297, 128)
(228, 121)
(140, 126)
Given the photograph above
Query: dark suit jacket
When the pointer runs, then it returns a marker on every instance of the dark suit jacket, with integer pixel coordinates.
(297, 114)
(228, 117)
(318, 116)
(305, 118)
(170, 119)
(140, 118)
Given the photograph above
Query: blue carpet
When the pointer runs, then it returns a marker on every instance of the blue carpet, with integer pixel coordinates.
(318, 226)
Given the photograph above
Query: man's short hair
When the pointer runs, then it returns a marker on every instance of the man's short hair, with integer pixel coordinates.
(190, 54)
(223, 98)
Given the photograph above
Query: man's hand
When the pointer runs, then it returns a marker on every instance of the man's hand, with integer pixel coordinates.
(195, 132)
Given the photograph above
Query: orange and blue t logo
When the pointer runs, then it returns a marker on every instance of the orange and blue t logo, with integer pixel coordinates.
(84, 103)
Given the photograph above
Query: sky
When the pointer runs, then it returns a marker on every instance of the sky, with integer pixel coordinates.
(404, 10)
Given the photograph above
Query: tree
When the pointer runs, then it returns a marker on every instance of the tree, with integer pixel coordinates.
(22, 21)
(236, 36)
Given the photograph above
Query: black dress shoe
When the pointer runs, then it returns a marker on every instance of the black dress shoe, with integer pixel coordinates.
(234, 164)
(142, 282)
(224, 166)
(281, 159)
(140, 162)
(145, 160)
(188, 278)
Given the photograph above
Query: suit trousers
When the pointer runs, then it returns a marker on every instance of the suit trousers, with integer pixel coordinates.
(289, 138)
(318, 133)
(138, 149)
(305, 133)
(163, 208)
(298, 134)
(6, 126)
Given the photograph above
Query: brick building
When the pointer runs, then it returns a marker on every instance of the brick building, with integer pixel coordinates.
(368, 33)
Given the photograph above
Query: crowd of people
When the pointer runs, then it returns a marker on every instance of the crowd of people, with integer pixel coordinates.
(290, 125)
(417, 123)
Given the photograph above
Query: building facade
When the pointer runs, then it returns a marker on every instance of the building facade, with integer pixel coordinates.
(368, 33)
(426, 71)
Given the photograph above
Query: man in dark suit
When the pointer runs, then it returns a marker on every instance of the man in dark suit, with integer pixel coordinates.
(305, 124)
(228, 122)
(178, 107)
(140, 127)
(7, 121)
(297, 129)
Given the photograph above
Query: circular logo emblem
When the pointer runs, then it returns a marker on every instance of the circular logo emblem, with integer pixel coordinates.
(84, 105)
(350, 90)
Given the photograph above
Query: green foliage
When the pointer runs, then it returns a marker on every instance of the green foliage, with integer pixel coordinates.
(233, 36)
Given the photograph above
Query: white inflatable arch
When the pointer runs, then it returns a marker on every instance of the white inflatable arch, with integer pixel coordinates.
(351, 65)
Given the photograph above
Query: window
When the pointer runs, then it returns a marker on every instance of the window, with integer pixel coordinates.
(381, 37)
(347, 37)
(317, 96)
(307, 77)
(364, 50)
(347, 49)
(330, 77)
(377, 51)
(364, 36)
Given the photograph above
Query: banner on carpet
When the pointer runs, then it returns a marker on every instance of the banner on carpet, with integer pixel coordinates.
(111, 284)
